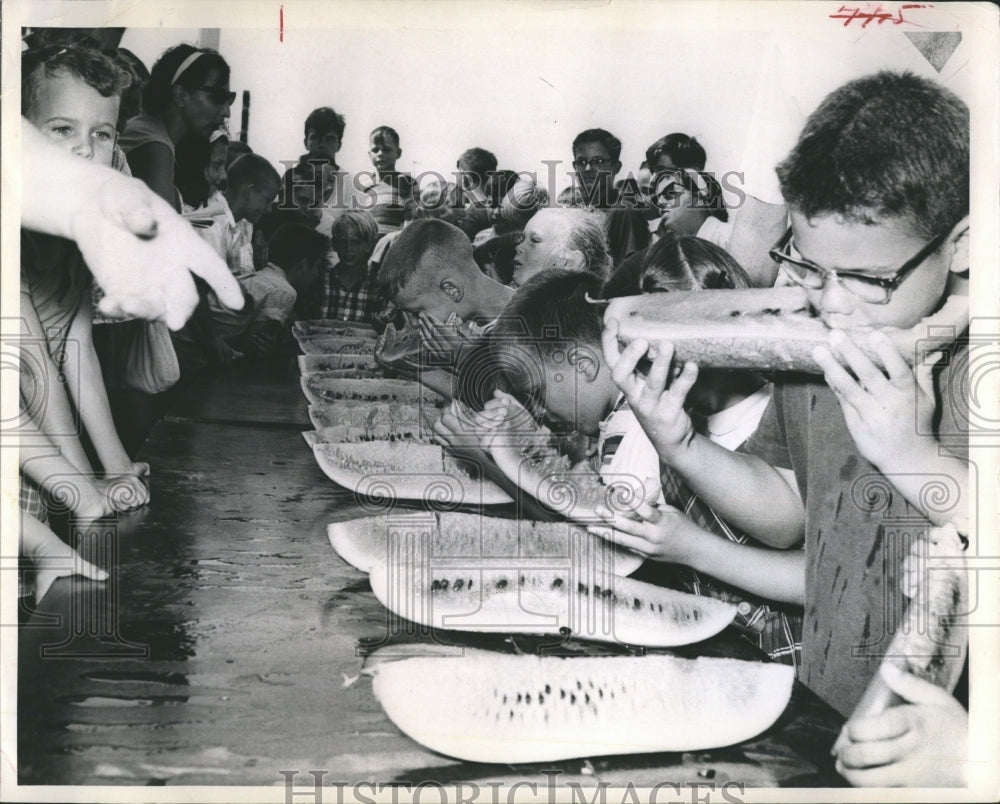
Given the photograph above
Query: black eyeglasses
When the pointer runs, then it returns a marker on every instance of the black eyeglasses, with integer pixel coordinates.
(219, 96)
(872, 289)
(597, 162)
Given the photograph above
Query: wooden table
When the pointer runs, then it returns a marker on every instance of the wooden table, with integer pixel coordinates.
(228, 644)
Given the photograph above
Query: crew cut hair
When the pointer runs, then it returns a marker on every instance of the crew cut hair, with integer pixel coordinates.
(889, 145)
(412, 244)
(251, 169)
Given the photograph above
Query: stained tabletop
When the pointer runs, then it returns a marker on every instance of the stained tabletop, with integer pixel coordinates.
(228, 645)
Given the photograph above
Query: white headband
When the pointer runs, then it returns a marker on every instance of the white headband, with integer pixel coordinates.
(185, 64)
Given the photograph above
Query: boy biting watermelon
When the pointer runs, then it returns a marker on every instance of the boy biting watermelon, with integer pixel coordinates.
(878, 192)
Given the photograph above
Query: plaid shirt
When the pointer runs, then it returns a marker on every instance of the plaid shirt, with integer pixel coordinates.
(775, 629)
(363, 303)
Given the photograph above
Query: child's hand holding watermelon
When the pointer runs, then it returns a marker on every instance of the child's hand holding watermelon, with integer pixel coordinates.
(657, 400)
(921, 743)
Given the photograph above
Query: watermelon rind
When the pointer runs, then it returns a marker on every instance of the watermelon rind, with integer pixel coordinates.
(497, 708)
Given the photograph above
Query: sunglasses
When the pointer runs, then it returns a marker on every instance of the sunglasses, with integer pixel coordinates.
(219, 96)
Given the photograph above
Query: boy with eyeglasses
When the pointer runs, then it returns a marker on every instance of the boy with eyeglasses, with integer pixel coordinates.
(596, 161)
(878, 191)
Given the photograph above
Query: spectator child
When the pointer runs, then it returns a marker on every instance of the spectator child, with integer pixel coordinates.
(350, 286)
(597, 160)
(222, 334)
(300, 252)
(71, 94)
(475, 167)
(391, 188)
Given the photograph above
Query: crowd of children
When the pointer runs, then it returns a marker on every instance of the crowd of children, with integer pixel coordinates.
(746, 480)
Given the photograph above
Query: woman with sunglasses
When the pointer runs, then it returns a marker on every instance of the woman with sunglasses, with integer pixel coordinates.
(187, 97)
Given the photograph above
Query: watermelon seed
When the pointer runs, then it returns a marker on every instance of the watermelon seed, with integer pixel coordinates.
(607, 593)
(637, 604)
(504, 700)
(562, 693)
(511, 714)
(590, 684)
(527, 697)
(579, 686)
(558, 582)
(502, 583)
(572, 698)
(548, 689)
(661, 607)
(586, 698)
(435, 586)
(459, 584)
(521, 580)
(600, 692)
(519, 697)
(582, 589)
(597, 590)
(541, 698)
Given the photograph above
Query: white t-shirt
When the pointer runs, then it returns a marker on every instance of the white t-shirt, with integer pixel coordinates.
(635, 461)
(731, 427)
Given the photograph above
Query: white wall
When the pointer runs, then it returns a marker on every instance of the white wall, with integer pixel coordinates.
(521, 91)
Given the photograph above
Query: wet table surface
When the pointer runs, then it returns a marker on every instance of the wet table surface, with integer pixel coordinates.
(227, 647)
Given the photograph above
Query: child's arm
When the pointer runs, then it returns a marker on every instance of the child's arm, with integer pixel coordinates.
(52, 557)
(95, 413)
(665, 534)
(54, 416)
(921, 743)
(761, 500)
(78, 492)
(140, 251)
(890, 417)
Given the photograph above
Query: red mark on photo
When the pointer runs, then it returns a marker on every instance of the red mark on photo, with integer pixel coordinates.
(851, 13)
(281, 23)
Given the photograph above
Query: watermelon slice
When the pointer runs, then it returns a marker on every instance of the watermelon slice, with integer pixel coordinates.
(538, 469)
(354, 434)
(405, 471)
(585, 600)
(312, 363)
(334, 326)
(335, 344)
(320, 388)
(490, 707)
(369, 415)
(364, 543)
(772, 328)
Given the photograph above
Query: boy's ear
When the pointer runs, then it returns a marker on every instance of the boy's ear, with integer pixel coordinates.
(452, 290)
(958, 245)
(585, 360)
